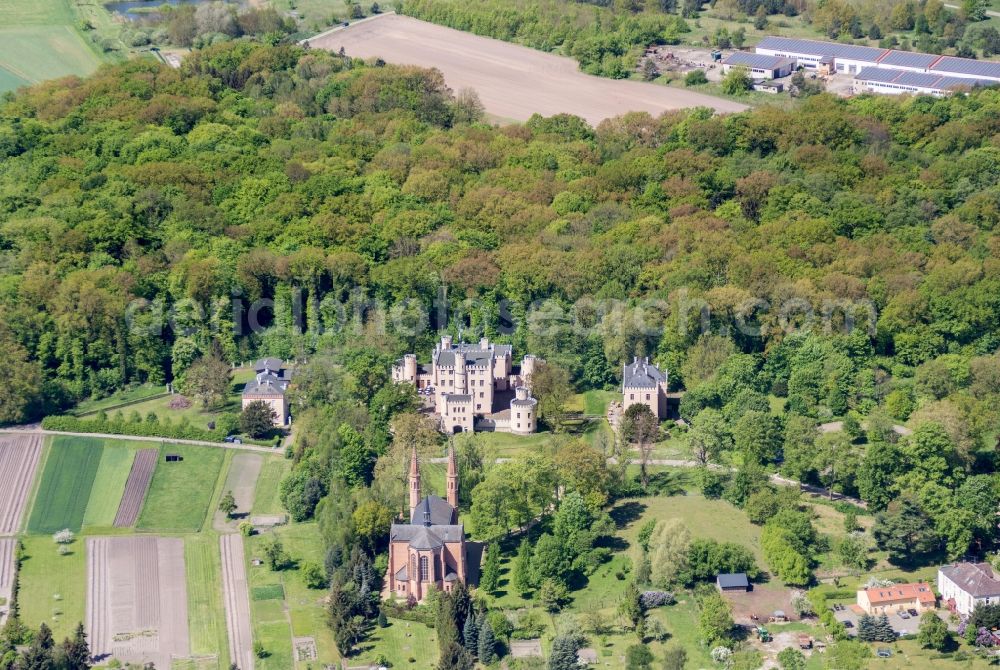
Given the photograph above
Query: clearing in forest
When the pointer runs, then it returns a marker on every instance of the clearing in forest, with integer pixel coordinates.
(513, 82)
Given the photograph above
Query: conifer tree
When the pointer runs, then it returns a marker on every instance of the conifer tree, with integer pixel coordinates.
(522, 568)
(487, 643)
(470, 634)
(489, 580)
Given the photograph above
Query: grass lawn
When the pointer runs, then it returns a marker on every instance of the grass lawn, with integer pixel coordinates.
(206, 616)
(301, 612)
(315, 15)
(39, 41)
(129, 396)
(266, 500)
(67, 481)
(53, 586)
(109, 484)
(401, 641)
(180, 494)
(194, 414)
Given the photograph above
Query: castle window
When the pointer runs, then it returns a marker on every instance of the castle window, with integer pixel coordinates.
(424, 572)
(518, 415)
(631, 396)
(647, 396)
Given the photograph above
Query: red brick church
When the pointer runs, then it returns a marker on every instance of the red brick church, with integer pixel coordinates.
(429, 551)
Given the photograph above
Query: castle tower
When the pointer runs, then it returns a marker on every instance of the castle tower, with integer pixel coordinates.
(410, 368)
(452, 478)
(461, 384)
(414, 482)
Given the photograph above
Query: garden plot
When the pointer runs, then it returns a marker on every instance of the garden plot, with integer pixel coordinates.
(7, 545)
(137, 599)
(234, 588)
(19, 456)
(135, 488)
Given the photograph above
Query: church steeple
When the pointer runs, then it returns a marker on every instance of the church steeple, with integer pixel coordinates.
(452, 477)
(414, 482)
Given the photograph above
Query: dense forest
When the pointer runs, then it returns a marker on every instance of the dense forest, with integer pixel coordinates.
(269, 200)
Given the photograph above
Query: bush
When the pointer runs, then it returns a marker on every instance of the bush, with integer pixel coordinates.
(651, 599)
(313, 575)
(695, 78)
(64, 536)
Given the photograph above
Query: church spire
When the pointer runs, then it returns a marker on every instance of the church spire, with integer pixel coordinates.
(452, 477)
(414, 482)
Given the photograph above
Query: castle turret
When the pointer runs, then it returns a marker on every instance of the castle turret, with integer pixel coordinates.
(452, 478)
(523, 412)
(528, 368)
(410, 367)
(446, 342)
(414, 482)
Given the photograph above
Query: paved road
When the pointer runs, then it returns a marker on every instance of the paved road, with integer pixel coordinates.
(140, 438)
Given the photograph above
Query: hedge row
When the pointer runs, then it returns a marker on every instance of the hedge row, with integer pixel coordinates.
(72, 424)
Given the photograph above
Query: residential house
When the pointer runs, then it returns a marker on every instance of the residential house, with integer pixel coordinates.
(645, 384)
(269, 385)
(889, 599)
(964, 585)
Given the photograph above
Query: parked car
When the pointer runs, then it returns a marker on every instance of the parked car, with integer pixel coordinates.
(884, 652)
(848, 624)
(903, 615)
(229, 438)
(913, 613)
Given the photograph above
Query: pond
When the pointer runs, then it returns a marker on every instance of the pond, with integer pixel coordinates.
(136, 9)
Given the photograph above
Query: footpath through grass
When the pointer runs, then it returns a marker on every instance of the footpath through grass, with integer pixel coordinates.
(181, 492)
(67, 481)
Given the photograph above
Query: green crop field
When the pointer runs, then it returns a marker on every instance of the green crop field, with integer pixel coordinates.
(53, 585)
(39, 40)
(181, 492)
(206, 616)
(266, 498)
(67, 481)
(109, 483)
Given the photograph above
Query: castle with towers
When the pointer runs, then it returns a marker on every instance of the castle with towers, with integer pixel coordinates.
(474, 386)
(429, 552)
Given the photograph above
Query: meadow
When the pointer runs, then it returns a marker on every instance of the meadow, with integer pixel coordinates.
(39, 40)
(206, 614)
(53, 586)
(67, 481)
(181, 492)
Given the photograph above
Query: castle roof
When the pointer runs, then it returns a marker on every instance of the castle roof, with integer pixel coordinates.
(475, 354)
(642, 374)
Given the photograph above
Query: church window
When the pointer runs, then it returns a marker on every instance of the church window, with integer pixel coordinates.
(424, 572)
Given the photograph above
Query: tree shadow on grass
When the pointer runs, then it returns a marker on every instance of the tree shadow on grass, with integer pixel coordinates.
(626, 513)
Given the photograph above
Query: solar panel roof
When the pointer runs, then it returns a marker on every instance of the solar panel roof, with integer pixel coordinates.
(833, 49)
(908, 59)
(756, 60)
(950, 83)
(917, 79)
(977, 68)
(883, 75)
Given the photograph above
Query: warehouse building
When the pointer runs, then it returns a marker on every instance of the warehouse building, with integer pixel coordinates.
(760, 66)
(895, 82)
(831, 57)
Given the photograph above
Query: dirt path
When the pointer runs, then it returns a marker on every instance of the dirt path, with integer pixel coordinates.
(19, 457)
(140, 438)
(237, 601)
(242, 481)
(513, 82)
(139, 478)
